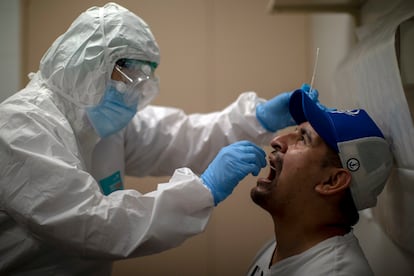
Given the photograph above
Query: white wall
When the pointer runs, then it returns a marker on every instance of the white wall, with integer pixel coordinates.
(10, 47)
(333, 34)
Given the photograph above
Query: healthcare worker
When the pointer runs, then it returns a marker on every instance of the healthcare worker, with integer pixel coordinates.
(71, 135)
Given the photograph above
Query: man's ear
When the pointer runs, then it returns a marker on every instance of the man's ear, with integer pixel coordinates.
(338, 180)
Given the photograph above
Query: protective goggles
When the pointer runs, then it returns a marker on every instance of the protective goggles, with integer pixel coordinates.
(139, 84)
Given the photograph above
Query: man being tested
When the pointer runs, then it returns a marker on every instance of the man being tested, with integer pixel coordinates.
(332, 165)
(71, 135)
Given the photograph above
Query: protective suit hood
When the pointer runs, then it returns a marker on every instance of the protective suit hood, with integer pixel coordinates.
(76, 68)
(79, 63)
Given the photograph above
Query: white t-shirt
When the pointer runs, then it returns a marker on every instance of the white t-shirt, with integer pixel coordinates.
(336, 256)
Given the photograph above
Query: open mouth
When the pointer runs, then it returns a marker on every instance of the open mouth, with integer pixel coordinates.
(272, 171)
(270, 177)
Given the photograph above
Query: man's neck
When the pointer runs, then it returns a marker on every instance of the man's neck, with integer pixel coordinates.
(293, 239)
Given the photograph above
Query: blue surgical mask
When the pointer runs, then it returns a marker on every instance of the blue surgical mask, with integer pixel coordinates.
(112, 114)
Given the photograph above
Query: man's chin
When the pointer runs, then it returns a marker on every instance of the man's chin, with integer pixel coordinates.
(259, 195)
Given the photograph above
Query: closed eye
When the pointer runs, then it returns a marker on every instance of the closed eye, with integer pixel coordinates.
(305, 136)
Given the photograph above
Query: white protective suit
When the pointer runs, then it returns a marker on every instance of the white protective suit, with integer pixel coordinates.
(54, 219)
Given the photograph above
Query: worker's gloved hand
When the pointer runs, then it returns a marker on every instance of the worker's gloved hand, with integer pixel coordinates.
(230, 166)
(314, 96)
(274, 114)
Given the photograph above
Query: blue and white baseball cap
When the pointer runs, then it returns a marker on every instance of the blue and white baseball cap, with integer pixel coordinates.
(358, 141)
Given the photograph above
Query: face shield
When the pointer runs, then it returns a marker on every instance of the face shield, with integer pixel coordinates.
(134, 87)
(139, 85)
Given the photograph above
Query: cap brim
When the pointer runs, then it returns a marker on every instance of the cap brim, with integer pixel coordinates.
(303, 109)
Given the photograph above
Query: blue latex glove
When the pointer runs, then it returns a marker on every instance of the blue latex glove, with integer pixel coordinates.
(274, 114)
(231, 165)
(314, 96)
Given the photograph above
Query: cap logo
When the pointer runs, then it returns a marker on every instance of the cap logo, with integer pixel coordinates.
(353, 164)
(347, 112)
